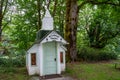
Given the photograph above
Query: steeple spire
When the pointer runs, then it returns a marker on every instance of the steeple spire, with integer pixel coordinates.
(47, 21)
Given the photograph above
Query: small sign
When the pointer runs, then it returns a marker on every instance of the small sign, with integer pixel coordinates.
(54, 37)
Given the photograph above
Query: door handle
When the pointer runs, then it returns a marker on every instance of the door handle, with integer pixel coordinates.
(54, 59)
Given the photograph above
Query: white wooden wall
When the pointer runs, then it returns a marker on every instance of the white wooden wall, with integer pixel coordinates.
(33, 69)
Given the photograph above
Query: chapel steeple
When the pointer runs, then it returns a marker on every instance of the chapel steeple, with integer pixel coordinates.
(47, 21)
(47, 24)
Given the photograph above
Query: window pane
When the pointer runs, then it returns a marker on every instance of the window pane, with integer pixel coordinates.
(61, 57)
(33, 58)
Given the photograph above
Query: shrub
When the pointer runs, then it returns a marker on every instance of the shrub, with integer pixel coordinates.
(91, 54)
(7, 70)
(12, 62)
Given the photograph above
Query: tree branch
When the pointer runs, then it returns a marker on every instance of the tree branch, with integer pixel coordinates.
(104, 2)
(94, 2)
(6, 4)
(54, 10)
(1, 3)
(1, 8)
(5, 25)
(48, 4)
(87, 30)
(82, 4)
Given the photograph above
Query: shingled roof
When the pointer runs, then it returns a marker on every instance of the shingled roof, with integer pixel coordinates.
(41, 34)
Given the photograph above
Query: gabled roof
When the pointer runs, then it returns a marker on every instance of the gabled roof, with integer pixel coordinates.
(42, 34)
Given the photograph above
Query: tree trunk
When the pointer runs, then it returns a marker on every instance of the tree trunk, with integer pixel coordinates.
(39, 14)
(1, 4)
(71, 28)
(2, 13)
(0, 28)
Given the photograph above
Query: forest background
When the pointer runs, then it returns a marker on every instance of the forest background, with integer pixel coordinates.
(91, 27)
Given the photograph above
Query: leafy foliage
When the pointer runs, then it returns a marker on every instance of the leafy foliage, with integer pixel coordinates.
(101, 25)
(102, 29)
(12, 62)
(90, 54)
(94, 22)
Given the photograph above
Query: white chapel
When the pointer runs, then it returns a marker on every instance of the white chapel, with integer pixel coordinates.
(47, 55)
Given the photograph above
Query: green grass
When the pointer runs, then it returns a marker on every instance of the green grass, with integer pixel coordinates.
(93, 71)
(79, 71)
(13, 74)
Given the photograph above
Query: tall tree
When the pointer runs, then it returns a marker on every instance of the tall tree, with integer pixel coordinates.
(71, 27)
(72, 10)
(39, 7)
(3, 8)
(25, 23)
(102, 28)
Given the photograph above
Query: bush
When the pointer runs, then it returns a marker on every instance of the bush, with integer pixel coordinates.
(8, 62)
(107, 55)
(91, 54)
(7, 70)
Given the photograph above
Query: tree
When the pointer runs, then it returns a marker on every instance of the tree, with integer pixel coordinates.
(39, 7)
(3, 8)
(71, 27)
(58, 13)
(27, 20)
(102, 28)
(72, 10)
(24, 24)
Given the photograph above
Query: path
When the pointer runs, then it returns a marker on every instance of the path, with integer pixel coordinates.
(62, 78)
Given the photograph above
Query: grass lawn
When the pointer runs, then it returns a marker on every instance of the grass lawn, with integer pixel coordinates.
(79, 71)
(13, 74)
(93, 71)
